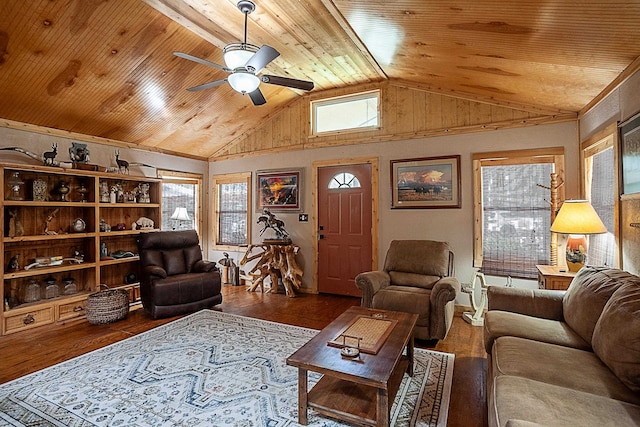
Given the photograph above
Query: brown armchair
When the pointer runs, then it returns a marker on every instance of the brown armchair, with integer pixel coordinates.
(417, 278)
(174, 278)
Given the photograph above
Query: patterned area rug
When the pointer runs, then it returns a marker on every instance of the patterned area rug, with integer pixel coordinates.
(206, 369)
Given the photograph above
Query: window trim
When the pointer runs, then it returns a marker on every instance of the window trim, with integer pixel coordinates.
(228, 179)
(512, 157)
(341, 99)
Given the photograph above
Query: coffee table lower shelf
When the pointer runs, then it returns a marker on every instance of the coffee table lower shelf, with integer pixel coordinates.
(353, 402)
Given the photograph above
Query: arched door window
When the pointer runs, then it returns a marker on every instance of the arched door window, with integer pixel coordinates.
(344, 180)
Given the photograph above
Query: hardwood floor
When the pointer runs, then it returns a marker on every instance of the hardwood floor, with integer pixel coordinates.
(23, 353)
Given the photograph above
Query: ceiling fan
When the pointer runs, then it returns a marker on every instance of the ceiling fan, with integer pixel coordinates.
(244, 61)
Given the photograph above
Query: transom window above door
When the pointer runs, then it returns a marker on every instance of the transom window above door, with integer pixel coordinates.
(343, 180)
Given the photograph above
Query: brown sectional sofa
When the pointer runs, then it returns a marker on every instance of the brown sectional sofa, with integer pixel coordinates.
(565, 358)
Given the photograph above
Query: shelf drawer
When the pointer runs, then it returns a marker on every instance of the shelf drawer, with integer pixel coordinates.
(28, 319)
(72, 310)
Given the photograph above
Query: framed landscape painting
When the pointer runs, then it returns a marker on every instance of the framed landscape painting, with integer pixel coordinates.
(630, 155)
(426, 183)
(279, 190)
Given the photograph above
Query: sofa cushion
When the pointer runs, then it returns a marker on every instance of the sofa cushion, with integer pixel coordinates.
(527, 400)
(407, 299)
(563, 366)
(503, 323)
(174, 262)
(616, 338)
(588, 293)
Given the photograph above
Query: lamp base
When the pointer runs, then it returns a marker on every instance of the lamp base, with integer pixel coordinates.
(576, 251)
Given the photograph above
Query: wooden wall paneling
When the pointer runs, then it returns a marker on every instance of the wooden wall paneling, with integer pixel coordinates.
(419, 108)
(405, 113)
(434, 111)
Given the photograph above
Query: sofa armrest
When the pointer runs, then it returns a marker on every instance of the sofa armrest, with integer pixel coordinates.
(203, 266)
(370, 283)
(155, 270)
(441, 309)
(444, 290)
(542, 303)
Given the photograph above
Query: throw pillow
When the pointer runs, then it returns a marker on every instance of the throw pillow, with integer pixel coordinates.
(616, 338)
(588, 293)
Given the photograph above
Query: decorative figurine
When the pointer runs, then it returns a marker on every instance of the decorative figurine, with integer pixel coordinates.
(269, 220)
(49, 218)
(79, 153)
(49, 157)
(143, 223)
(14, 264)
(123, 165)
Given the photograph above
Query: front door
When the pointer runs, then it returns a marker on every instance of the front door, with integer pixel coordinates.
(344, 227)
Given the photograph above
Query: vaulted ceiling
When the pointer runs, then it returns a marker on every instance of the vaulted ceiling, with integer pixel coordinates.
(105, 68)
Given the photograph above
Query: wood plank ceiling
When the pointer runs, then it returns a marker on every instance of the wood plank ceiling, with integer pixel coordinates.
(105, 67)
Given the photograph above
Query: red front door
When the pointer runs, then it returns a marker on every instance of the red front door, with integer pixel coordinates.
(344, 227)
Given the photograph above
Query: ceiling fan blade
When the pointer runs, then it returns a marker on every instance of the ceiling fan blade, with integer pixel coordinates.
(285, 81)
(261, 58)
(201, 61)
(257, 97)
(207, 85)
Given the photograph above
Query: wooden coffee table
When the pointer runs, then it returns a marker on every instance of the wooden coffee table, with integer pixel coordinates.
(357, 390)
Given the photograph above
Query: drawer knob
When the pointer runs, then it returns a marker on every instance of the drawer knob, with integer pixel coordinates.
(28, 319)
(78, 308)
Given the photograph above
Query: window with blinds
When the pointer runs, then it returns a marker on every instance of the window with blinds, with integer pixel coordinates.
(600, 187)
(175, 196)
(514, 216)
(181, 201)
(232, 216)
(232, 213)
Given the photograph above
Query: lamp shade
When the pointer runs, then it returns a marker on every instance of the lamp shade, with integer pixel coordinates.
(578, 217)
(180, 214)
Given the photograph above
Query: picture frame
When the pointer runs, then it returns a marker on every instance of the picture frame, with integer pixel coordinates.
(630, 156)
(426, 183)
(279, 190)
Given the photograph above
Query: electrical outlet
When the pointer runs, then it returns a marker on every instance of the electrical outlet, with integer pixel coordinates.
(303, 217)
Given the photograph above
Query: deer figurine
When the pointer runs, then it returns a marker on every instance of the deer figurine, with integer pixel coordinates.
(50, 156)
(123, 165)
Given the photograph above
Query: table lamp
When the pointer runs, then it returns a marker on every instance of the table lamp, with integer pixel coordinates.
(577, 218)
(180, 214)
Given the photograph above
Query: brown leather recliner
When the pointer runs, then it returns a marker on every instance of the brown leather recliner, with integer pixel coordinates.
(174, 278)
(417, 278)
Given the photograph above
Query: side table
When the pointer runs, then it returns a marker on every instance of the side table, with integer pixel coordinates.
(554, 277)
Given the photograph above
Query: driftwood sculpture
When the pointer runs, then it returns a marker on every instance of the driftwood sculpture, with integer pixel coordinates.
(276, 262)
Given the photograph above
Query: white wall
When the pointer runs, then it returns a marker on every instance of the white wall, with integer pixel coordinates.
(452, 225)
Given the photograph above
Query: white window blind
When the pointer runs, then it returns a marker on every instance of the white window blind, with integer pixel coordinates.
(602, 247)
(232, 213)
(179, 195)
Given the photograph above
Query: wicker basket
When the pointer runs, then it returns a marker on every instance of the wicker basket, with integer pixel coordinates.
(107, 306)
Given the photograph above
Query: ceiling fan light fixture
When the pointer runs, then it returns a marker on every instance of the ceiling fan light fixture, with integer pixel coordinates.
(236, 55)
(243, 82)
